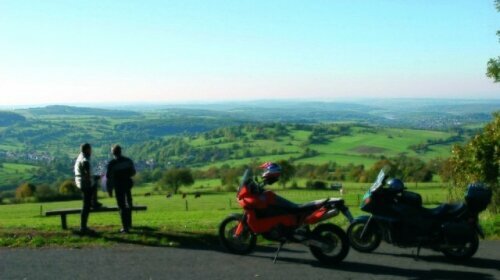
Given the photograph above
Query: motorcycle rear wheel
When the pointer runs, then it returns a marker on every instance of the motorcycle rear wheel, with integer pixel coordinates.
(370, 241)
(337, 241)
(241, 245)
(464, 252)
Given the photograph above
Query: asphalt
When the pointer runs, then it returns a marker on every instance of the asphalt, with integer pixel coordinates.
(127, 261)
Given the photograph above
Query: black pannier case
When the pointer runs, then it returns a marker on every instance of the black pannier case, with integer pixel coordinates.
(477, 197)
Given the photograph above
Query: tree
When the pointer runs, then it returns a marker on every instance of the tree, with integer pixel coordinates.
(315, 185)
(69, 188)
(478, 160)
(25, 190)
(45, 193)
(493, 65)
(176, 177)
(229, 177)
(287, 172)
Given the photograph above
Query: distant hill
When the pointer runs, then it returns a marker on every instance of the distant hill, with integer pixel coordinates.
(10, 118)
(280, 111)
(173, 125)
(441, 114)
(63, 110)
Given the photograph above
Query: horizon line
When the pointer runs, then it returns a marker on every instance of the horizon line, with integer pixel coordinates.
(237, 101)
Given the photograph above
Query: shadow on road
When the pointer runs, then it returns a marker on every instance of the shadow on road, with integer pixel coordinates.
(473, 262)
(383, 270)
(410, 273)
(148, 236)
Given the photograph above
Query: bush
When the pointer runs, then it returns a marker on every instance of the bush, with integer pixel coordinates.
(46, 193)
(230, 188)
(69, 188)
(294, 185)
(315, 185)
(25, 190)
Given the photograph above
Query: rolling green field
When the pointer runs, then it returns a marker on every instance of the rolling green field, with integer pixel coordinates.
(358, 147)
(14, 172)
(168, 218)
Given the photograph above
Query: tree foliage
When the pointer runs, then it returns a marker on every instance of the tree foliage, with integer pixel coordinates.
(25, 190)
(68, 188)
(45, 193)
(229, 178)
(287, 172)
(493, 65)
(176, 177)
(478, 160)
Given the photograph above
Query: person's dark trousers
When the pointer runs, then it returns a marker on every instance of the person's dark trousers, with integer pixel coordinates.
(124, 201)
(94, 202)
(87, 200)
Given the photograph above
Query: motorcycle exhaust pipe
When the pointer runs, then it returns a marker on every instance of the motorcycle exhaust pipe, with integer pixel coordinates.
(331, 213)
(316, 243)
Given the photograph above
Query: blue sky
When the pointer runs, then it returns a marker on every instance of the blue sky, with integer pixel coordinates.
(177, 51)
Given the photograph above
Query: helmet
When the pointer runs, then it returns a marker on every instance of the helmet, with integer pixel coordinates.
(396, 185)
(271, 172)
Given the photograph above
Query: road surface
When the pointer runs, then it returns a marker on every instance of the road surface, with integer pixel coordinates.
(127, 261)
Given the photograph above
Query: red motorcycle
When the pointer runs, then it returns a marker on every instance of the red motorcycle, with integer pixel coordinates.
(278, 219)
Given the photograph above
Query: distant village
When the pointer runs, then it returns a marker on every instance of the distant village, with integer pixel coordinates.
(43, 158)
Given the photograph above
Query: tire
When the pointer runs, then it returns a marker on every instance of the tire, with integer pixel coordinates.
(370, 241)
(333, 236)
(242, 245)
(464, 252)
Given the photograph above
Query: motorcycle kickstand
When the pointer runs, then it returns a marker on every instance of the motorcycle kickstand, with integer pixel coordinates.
(417, 256)
(278, 251)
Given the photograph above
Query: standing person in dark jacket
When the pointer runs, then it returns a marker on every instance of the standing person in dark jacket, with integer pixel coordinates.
(119, 177)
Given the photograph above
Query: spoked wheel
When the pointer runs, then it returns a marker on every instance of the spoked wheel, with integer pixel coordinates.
(364, 242)
(464, 252)
(242, 244)
(335, 244)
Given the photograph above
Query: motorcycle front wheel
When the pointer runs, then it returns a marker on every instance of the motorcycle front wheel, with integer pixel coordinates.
(368, 242)
(335, 241)
(241, 245)
(464, 252)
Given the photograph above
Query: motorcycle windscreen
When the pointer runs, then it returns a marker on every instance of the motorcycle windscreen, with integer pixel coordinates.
(379, 181)
(247, 177)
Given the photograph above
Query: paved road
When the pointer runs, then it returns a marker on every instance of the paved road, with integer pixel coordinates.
(140, 262)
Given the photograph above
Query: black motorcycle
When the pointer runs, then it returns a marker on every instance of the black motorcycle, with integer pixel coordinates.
(398, 217)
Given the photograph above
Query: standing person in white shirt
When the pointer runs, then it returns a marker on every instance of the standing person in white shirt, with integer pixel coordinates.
(86, 183)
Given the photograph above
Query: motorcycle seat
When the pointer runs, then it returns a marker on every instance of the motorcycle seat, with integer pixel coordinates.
(313, 204)
(445, 209)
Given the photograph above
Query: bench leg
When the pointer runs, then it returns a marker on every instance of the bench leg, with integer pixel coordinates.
(64, 224)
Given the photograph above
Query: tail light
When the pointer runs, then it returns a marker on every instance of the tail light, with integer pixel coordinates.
(472, 220)
(367, 200)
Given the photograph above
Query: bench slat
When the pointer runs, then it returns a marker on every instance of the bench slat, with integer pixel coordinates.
(79, 210)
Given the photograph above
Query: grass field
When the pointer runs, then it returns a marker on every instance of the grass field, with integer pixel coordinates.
(14, 173)
(167, 221)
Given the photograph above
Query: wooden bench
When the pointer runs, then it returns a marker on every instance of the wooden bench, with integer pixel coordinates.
(64, 212)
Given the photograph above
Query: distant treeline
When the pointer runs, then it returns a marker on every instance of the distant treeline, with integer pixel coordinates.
(10, 118)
